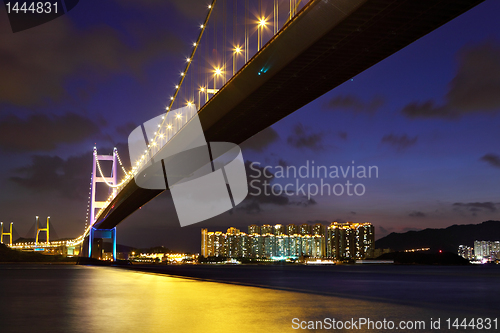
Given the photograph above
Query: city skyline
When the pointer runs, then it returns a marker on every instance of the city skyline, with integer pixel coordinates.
(435, 147)
(337, 241)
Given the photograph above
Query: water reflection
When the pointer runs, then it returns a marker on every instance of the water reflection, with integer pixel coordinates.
(90, 299)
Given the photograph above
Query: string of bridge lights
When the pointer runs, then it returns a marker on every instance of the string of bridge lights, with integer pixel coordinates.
(165, 129)
(124, 180)
(218, 71)
(88, 202)
(261, 22)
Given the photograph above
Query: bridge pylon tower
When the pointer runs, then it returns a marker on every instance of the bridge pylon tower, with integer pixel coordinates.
(112, 182)
(40, 229)
(2, 233)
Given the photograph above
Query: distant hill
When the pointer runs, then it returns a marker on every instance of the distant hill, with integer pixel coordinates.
(447, 239)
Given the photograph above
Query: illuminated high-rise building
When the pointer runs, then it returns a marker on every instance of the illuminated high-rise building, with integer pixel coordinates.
(204, 241)
(349, 240)
(292, 229)
(488, 250)
(318, 246)
(350, 243)
(220, 248)
(343, 241)
(269, 245)
(210, 244)
(266, 229)
(307, 245)
(256, 247)
(282, 245)
(244, 246)
(333, 243)
(232, 231)
(295, 244)
(305, 229)
(466, 252)
(279, 229)
(318, 229)
(365, 240)
(253, 229)
(232, 245)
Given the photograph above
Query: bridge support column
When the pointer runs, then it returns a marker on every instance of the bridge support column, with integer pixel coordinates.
(2, 234)
(95, 241)
(40, 229)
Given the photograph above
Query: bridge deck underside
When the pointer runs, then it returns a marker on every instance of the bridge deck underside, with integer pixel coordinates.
(374, 31)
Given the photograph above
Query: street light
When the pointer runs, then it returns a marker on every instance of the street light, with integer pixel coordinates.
(217, 72)
(202, 90)
(261, 26)
(237, 50)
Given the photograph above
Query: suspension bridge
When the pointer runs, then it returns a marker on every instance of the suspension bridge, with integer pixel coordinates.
(252, 64)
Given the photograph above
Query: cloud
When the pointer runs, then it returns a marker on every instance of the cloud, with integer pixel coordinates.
(282, 163)
(324, 222)
(400, 142)
(473, 89)
(354, 104)
(257, 192)
(429, 109)
(69, 178)
(126, 129)
(475, 207)
(44, 133)
(417, 214)
(261, 140)
(491, 159)
(343, 135)
(302, 137)
(36, 64)
(256, 177)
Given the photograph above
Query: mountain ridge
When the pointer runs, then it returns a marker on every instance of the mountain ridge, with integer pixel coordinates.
(446, 239)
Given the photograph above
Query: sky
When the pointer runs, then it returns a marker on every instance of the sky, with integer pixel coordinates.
(426, 118)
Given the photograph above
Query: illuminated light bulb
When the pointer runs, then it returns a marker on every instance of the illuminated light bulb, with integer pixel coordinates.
(177, 87)
(218, 71)
(182, 73)
(159, 125)
(179, 116)
(201, 26)
(188, 59)
(194, 44)
(161, 136)
(189, 103)
(167, 108)
(262, 22)
(172, 98)
(169, 126)
(202, 89)
(209, 6)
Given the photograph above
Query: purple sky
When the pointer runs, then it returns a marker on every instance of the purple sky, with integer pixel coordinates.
(427, 117)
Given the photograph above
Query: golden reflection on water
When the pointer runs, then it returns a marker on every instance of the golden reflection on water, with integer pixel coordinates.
(114, 300)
